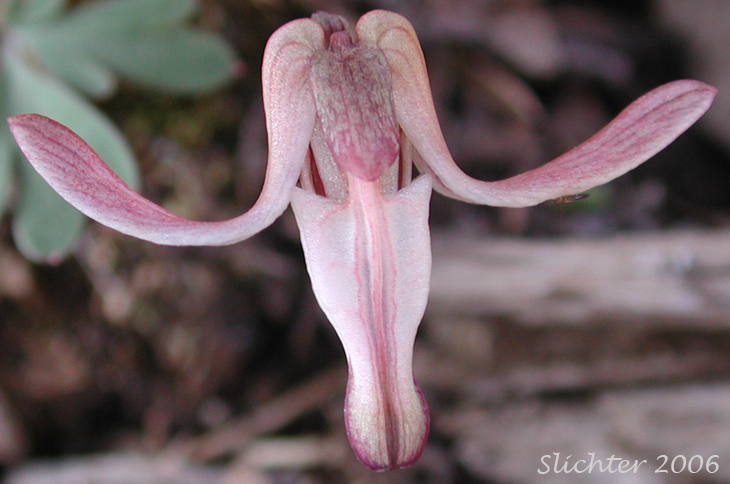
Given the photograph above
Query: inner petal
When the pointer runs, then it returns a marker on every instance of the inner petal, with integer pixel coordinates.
(353, 98)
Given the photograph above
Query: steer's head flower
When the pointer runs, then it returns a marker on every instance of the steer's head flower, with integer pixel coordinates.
(348, 113)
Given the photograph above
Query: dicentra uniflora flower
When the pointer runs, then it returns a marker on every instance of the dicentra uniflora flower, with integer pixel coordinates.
(348, 114)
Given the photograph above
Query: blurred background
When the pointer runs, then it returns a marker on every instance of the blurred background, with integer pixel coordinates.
(601, 326)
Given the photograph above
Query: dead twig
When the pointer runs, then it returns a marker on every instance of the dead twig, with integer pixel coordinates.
(233, 436)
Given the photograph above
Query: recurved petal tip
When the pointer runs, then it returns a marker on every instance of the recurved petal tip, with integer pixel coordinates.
(80, 176)
(640, 131)
(645, 127)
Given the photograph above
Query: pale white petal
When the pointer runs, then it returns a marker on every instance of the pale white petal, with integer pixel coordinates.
(369, 260)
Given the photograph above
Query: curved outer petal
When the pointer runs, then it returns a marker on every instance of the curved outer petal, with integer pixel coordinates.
(77, 173)
(640, 131)
(369, 260)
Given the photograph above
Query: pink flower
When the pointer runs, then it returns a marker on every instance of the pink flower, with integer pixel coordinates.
(348, 113)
